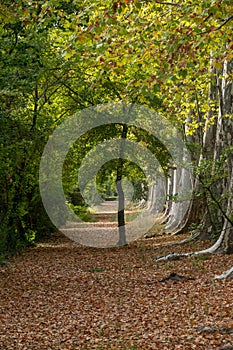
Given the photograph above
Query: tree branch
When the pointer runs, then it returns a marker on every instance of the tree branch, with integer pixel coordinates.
(225, 22)
(167, 3)
(35, 110)
(219, 27)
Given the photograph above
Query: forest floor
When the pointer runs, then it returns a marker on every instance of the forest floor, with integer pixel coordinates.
(60, 295)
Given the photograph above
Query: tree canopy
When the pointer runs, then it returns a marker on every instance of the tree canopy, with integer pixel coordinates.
(60, 57)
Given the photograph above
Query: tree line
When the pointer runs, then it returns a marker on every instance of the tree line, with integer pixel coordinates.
(60, 57)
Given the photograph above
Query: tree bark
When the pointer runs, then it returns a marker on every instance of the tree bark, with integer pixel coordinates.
(225, 140)
(121, 196)
(157, 196)
(218, 139)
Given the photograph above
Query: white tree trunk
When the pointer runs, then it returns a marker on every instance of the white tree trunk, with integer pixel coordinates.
(218, 138)
(182, 195)
(157, 196)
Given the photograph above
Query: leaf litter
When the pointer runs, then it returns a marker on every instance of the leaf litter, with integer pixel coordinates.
(60, 295)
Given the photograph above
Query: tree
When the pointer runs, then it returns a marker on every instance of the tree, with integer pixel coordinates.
(36, 95)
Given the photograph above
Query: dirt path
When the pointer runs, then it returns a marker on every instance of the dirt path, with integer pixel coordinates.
(107, 207)
(102, 230)
(63, 296)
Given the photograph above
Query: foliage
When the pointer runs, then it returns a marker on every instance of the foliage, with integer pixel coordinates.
(81, 211)
(58, 57)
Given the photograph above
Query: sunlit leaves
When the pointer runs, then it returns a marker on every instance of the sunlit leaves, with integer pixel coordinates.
(58, 57)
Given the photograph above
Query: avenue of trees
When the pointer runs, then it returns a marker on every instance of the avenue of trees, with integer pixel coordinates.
(59, 57)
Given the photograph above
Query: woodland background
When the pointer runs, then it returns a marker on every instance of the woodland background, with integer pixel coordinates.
(59, 57)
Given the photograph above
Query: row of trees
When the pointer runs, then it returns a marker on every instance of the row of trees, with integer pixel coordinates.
(59, 57)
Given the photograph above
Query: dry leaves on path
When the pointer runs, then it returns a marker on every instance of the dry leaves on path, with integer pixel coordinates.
(60, 295)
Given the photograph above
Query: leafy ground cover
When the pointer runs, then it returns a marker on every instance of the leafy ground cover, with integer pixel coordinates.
(59, 295)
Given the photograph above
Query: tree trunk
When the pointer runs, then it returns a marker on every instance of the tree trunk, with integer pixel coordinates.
(224, 140)
(157, 196)
(121, 196)
(218, 139)
(181, 197)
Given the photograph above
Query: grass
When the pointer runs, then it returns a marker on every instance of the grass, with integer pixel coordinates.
(96, 270)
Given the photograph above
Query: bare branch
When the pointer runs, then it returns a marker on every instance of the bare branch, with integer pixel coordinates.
(225, 22)
(219, 27)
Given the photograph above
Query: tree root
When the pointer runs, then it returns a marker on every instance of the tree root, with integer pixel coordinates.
(227, 274)
(214, 329)
(175, 256)
(175, 278)
(213, 249)
(189, 239)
